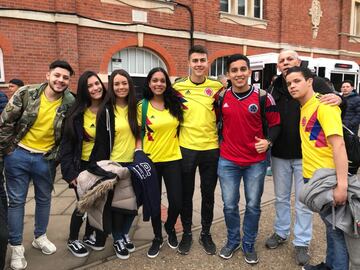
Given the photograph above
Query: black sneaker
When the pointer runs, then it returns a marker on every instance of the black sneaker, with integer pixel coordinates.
(250, 254)
(154, 250)
(302, 256)
(77, 248)
(208, 244)
(227, 252)
(185, 243)
(172, 239)
(321, 266)
(91, 243)
(120, 250)
(274, 241)
(128, 243)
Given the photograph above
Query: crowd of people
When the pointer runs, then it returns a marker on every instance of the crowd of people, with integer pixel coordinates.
(115, 151)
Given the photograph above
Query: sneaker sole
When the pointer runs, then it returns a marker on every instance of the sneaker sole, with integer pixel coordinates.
(154, 256)
(39, 248)
(18, 268)
(172, 247)
(184, 252)
(131, 250)
(207, 252)
(77, 254)
(229, 257)
(122, 257)
(251, 262)
(94, 248)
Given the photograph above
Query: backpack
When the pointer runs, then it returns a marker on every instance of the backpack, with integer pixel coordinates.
(352, 145)
(262, 101)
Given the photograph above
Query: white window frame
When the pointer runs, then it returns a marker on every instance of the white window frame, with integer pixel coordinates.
(2, 72)
(138, 52)
(248, 18)
(354, 33)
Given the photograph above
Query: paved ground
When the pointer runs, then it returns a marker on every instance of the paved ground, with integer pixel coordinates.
(63, 205)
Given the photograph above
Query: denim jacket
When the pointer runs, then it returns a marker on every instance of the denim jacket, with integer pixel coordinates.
(20, 114)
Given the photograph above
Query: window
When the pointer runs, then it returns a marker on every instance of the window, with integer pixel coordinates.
(355, 21)
(218, 67)
(244, 12)
(2, 75)
(249, 8)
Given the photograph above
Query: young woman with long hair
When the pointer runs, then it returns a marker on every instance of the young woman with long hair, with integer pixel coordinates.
(117, 134)
(162, 113)
(76, 147)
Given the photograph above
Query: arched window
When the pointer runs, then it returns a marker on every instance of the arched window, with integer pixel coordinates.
(2, 74)
(137, 62)
(218, 67)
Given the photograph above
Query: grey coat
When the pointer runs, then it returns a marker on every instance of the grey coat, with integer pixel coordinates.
(317, 194)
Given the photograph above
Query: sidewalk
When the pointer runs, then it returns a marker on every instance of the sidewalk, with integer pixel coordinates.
(63, 203)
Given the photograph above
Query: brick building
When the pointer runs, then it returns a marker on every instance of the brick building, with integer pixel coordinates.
(103, 35)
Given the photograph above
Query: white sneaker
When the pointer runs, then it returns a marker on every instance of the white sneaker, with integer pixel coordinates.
(17, 257)
(44, 244)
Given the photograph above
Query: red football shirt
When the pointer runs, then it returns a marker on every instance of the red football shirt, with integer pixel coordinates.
(241, 123)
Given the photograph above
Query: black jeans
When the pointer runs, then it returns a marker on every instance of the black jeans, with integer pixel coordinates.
(4, 234)
(207, 161)
(171, 172)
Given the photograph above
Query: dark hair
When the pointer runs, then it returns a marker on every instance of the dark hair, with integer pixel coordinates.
(348, 81)
(82, 101)
(236, 57)
(110, 98)
(307, 74)
(61, 64)
(17, 82)
(197, 49)
(171, 99)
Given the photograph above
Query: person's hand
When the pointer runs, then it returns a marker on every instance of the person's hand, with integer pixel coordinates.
(74, 182)
(340, 195)
(261, 145)
(331, 99)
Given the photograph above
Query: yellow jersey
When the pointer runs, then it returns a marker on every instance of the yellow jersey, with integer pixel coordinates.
(40, 136)
(160, 142)
(89, 129)
(198, 130)
(124, 141)
(317, 122)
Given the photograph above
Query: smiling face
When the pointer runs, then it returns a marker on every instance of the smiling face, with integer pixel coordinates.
(298, 87)
(58, 79)
(95, 88)
(239, 74)
(286, 60)
(157, 83)
(121, 87)
(198, 63)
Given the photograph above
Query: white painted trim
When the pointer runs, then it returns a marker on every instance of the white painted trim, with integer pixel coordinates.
(160, 6)
(73, 19)
(243, 20)
(2, 71)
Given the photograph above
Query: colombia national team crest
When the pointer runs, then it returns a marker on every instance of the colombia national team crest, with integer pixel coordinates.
(208, 92)
(253, 108)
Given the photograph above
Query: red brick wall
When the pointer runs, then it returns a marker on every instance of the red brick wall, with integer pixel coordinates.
(29, 46)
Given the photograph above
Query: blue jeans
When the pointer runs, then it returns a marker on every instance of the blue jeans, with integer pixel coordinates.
(285, 171)
(119, 230)
(337, 256)
(230, 175)
(21, 167)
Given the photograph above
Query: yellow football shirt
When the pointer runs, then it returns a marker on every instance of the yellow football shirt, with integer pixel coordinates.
(161, 142)
(198, 130)
(124, 141)
(89, 129)
(317, 122)
(40, 136)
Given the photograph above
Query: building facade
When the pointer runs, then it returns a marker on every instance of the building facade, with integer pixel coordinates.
(103, 35)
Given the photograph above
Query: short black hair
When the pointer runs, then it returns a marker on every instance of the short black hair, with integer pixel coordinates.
(17, 82)
(197, 49)
(236, 57)
(62, 64)
(348, 81)
(307, 74)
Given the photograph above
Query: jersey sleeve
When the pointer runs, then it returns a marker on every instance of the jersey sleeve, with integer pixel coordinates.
(271, 112)
(330, 120)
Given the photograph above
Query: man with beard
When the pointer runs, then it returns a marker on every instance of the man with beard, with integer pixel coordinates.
(286, 161)
(30, 134)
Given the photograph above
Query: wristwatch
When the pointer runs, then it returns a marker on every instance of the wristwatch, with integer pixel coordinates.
(270, 143)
